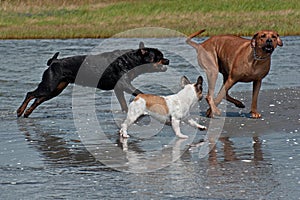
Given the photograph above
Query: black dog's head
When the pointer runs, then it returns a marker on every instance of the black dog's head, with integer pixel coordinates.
(155, 57)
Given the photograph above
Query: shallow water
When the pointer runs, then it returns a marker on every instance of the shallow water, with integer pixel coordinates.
(63, 153)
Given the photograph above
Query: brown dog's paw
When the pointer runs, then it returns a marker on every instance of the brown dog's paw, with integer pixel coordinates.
(209, 113)
(255, 115)
(239, 104)
(217, 112)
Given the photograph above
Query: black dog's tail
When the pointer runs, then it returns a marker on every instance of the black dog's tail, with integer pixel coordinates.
(52, 59)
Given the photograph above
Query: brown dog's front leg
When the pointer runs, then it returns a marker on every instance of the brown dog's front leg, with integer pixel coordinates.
(256, 88)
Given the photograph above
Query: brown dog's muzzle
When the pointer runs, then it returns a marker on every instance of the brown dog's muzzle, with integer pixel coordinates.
(268, 47)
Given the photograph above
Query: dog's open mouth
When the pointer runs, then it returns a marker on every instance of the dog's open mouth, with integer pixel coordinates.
(268, 48)
(162, 68)
(161, 65)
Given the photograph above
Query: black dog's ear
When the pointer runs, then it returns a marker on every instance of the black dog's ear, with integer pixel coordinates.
(142, 48)
(253, 40)
(144, 51)
(184, 81)
(141, 45)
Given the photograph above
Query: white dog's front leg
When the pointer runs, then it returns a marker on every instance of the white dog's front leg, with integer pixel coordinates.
(176, 128)
(135, 110)
(195, 124)
(123, 131)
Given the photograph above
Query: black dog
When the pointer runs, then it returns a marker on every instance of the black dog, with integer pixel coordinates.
(107, 71)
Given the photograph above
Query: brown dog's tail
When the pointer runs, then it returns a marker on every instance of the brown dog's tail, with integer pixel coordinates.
(189, 39)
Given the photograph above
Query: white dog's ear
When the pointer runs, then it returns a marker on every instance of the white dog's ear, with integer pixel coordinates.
(199, 83)
(253, 43)
(141, 45)
(184, 81)
(199, 80)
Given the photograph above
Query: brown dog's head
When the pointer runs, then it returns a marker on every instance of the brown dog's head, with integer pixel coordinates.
(267, 41)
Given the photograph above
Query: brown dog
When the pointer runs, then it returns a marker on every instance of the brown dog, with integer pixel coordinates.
(238, 60)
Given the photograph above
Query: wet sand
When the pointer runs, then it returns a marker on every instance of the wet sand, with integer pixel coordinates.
(280, 111)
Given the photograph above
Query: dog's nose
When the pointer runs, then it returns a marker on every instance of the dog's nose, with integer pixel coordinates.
(269, 41)
(166, 62)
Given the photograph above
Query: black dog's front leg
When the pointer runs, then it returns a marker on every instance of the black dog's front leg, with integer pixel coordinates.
(122, 86)
(121, 98)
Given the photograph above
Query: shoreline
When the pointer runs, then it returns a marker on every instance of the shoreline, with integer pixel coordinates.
(33, 19)
(107, 37)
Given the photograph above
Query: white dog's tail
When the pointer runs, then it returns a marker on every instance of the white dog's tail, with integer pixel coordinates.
(189, 39)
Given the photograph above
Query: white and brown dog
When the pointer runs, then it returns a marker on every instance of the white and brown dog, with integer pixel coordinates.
(173, 108)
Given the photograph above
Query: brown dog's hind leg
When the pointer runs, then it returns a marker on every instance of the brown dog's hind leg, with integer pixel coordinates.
(236, 102)
(210, 98)
(209, 64)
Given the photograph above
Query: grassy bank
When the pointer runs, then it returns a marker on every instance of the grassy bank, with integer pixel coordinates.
(96, 19)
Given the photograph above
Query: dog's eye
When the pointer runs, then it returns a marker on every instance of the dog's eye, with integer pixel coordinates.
(263, 36)
(274, 36)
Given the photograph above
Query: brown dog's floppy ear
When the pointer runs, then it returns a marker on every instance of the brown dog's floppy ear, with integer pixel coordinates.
(279, 41)
(253, 40)
(184, 81)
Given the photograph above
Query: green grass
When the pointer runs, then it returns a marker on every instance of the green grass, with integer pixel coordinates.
(95, 19)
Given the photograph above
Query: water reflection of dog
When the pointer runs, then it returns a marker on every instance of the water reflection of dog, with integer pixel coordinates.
(107, 71)
(229, 153)
(232, 171)
(138, 161)
(56, 150)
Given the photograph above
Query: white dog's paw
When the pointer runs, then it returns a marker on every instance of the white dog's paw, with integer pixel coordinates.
(124, 134)
(182, 136)
(202, 128)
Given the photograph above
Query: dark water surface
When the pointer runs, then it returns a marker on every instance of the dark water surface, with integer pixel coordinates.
(47, 156)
